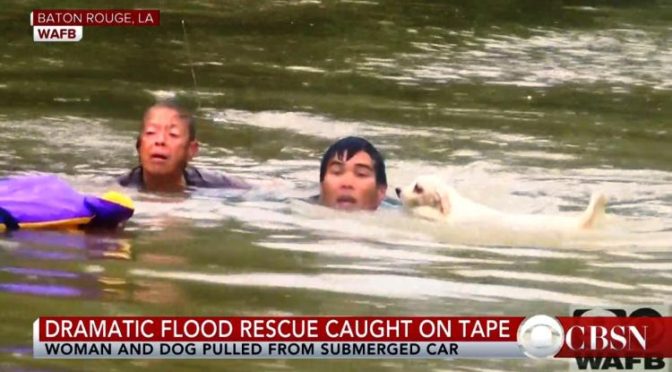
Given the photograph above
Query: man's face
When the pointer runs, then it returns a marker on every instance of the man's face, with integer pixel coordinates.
(165, 148)
(351, 184)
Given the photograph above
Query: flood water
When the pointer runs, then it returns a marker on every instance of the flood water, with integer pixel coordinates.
(524, 106)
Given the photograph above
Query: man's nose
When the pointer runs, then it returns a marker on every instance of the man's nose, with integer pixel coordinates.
(160, 138)
(346, 181)
(398, 191)
(346, 185)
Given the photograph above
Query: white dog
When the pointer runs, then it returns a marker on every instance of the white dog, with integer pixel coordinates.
(428, 197)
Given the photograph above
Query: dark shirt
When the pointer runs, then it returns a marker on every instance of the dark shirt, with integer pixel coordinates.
(193, 176)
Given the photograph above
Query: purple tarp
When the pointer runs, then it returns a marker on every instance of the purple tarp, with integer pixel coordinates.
(47, 198)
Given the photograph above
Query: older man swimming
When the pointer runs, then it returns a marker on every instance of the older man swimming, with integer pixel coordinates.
(165, 145)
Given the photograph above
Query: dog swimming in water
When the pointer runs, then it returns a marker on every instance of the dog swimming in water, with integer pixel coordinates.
(430, 198)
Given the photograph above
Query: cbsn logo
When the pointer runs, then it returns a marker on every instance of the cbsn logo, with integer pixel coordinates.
(616, 338)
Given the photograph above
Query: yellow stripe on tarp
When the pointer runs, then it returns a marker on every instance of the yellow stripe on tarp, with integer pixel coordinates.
(119, 198)
(69, 223)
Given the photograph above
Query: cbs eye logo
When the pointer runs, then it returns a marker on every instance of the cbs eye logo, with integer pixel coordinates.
(540, 336)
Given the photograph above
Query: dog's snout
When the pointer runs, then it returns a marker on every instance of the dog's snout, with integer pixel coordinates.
(398, 191)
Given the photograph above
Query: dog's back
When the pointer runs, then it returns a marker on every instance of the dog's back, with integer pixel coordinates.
(457, 209)
(465, 209)
(590, 218)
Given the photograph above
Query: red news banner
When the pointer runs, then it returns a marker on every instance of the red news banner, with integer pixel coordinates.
(351, 337)
(276, 337)
(264, 329)
(95, 17)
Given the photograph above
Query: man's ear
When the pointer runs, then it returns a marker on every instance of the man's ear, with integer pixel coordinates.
(193, 149)
(444, 201)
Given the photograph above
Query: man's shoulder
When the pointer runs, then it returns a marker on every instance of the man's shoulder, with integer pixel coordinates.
(131, 179)
(208, 179)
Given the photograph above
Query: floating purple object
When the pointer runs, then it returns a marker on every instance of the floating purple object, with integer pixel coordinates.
(38, 289)
(40, 272)
(46, 201)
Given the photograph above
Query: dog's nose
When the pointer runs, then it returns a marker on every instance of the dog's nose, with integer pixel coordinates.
(398, 191)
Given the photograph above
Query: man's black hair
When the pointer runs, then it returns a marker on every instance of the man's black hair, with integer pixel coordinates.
(184, 113)
(347, 148)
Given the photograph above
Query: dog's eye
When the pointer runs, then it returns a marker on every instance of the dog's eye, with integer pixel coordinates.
(418, 189)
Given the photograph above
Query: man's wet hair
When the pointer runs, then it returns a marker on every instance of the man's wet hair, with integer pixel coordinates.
(345, 148)
(182, 111)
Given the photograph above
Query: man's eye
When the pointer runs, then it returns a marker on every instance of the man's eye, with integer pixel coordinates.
(418, 189)
(336, 170)
(363, 174)
(174, 135)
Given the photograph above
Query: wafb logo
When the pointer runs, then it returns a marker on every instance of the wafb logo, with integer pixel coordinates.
(628, 364)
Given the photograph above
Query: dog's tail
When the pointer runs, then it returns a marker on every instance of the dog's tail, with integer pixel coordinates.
(595, 211)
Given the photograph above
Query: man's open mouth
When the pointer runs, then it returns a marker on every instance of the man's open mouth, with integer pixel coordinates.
(159, 157)
(346, 201)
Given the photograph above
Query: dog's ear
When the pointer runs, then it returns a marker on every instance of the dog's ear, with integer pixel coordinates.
(443, 200)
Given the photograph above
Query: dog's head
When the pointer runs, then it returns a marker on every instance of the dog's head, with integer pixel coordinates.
(426, 191)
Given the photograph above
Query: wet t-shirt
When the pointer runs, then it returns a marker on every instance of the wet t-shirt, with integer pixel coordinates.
(193, 176)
